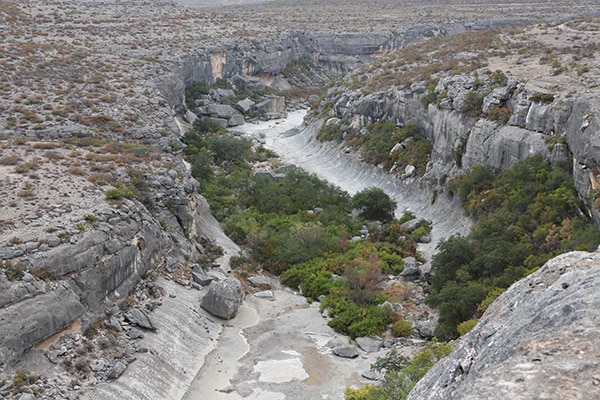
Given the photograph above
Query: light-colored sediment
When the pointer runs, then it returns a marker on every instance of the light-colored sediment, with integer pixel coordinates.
(285, 354)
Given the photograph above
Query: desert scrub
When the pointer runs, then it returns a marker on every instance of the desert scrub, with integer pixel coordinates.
(14, 271)
(473, 103)
(117, 194)
(392, 147)
(27, 192)
(500, 114)
(464, 327)
(330, 131)
(401, 328)
(542, 97)
(401, 374)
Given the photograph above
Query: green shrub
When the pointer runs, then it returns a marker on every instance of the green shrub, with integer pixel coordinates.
(115, 194)
(466, 326)
(525, 215)
(401, 328)
(499, 114)
(21, 377)
(542, 97)
(429, 97)
(401, 374)
(374, 204)
(473, 103)
(330, 132)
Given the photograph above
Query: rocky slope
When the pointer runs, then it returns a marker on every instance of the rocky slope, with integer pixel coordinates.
(537, 340)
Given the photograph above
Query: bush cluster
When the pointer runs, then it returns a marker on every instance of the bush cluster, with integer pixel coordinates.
(524, 216)
(401, 374)
(376, 145)
(303, 228)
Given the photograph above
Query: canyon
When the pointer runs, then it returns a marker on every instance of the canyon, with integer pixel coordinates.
(71, 257)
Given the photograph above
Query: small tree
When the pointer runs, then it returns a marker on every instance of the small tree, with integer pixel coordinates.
(374, 203)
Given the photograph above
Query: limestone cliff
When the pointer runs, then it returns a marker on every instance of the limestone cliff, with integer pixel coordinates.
(76, 262)
(565, 129)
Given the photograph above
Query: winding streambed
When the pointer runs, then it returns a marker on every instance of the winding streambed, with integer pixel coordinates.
(296, 144)
(280, 349)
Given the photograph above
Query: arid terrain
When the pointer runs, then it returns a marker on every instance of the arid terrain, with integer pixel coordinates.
(90, 147)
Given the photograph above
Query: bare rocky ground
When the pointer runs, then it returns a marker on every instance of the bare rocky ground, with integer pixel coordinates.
(87, 66)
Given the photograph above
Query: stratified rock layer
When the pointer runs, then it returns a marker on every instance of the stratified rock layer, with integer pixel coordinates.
(538, 340)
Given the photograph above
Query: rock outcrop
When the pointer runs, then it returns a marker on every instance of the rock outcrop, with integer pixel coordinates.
(97, 257)
(460, 141)
(537, 340)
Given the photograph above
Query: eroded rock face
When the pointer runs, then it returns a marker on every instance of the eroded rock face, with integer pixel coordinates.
(224, 298)
(26, 323)
(538, 335)
(459, 141)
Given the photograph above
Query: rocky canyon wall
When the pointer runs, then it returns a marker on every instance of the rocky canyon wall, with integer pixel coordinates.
(564, 129)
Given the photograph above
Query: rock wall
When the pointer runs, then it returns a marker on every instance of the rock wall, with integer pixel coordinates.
(461, 141)
(267, 58)
(537, 340)
(82, 272)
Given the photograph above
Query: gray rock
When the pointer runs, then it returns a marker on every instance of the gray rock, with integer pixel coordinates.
(281, 84)
(236, 120)
(313, 99)
(371, 375)
(53, 356)
(200, 276)
(271, 105)
(265, 294)
(135, 333)
(225, 93)
(245, 106)
(223, 298)
(369, 343)
(113, 323)
(426, 329)
(412, 224)
(117, 370)
(221, 111)
(409, 171)
(411, 269)
(97, 365)
(425, 238)
(27, 322)
(141, 318)
(543, 327)
(259, 280)
(250, 83)
(345, 351)
(27, 396)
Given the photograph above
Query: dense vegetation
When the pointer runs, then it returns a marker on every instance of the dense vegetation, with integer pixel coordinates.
(302, 229)
(524, 215)
(384, 144)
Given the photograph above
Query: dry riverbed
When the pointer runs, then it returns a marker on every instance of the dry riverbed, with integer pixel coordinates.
(275, 349)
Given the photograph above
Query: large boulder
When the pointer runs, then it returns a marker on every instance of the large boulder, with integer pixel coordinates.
(224, 298)
(538, 340)
(249, 83)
